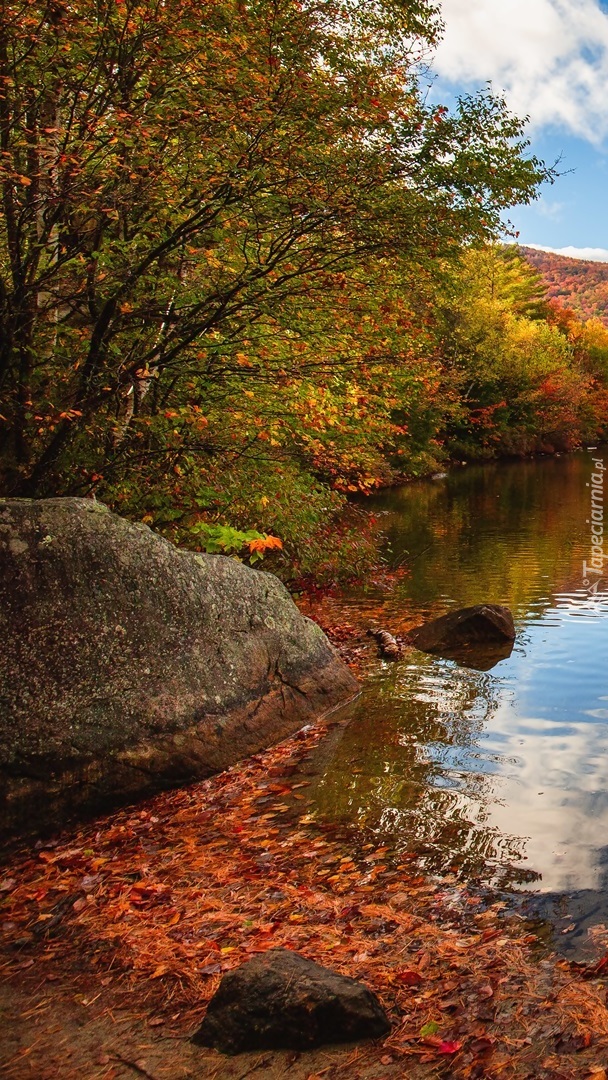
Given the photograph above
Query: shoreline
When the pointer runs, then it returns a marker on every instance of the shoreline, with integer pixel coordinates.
(133, 918)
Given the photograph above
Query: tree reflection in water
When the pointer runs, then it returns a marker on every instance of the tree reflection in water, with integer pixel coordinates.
(420, 778)
(497, 773)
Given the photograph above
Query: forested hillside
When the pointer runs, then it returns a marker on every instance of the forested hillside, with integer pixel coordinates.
(246, 268)
(578, 284)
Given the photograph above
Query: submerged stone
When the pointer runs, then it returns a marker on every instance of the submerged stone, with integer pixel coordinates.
(484, 626)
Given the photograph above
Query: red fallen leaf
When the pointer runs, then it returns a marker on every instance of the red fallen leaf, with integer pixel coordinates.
(348, 912)
(410, 978)
(449, 1047)
(441, 1046)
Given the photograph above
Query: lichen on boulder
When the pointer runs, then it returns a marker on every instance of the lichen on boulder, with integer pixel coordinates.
(128, 665)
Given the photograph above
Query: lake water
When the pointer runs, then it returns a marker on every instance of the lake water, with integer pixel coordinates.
(498, 775)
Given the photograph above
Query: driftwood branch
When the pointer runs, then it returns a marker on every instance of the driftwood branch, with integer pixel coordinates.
(388, 646)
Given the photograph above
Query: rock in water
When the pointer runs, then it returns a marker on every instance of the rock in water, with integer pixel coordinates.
(128, 665)
(482, 625)
(280, 1000)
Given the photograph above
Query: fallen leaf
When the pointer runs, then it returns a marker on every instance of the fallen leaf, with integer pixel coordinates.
(410, 978)
(449, 1047)
(429, 1029)
(89, 882)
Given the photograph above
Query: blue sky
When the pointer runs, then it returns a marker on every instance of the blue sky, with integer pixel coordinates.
(550, 59)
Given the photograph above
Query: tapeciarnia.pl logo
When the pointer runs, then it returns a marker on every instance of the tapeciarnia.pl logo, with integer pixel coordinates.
(593, 571)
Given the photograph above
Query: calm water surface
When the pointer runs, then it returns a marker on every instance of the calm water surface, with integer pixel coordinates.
(499, 774)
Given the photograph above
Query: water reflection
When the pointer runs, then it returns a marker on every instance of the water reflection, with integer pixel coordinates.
(500, 773)
(478, 657)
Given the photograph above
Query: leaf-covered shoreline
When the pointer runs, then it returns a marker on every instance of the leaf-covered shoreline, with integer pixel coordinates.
(150, 905)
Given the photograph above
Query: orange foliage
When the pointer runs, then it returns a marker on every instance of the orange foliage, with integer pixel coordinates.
(576, 284)
(266, 543)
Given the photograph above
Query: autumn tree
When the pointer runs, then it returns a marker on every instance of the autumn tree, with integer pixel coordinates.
(520, 379)
(175, 175)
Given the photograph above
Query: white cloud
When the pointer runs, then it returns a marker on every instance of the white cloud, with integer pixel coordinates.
(591, 253)
(563, 831)
(551, 210)
(550, 57)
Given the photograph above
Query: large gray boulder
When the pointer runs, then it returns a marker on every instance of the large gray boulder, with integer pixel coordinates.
(128, 665)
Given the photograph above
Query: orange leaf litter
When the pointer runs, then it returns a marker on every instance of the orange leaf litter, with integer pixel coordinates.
(163, 898)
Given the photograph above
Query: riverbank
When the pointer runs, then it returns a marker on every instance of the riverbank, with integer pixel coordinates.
(115, 937)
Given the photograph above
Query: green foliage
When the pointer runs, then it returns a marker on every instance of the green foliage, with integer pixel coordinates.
(232, 281)
(224, 540)
(173, 183)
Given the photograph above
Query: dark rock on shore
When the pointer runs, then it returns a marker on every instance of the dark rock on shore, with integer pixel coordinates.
(128, 665)
(280, 1000)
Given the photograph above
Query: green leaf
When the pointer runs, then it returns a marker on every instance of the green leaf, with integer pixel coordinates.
(429, 1029)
